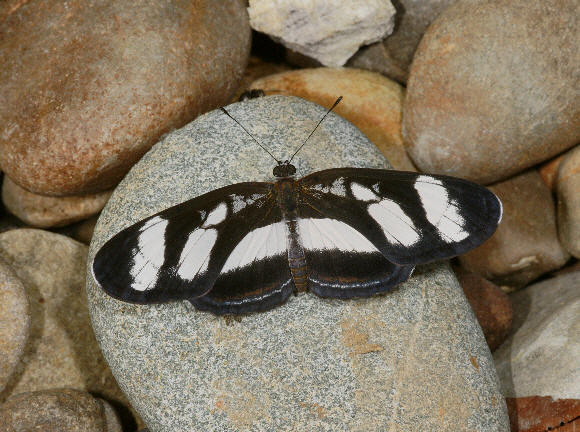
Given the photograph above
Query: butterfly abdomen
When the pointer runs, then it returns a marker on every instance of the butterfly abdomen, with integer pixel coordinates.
(296, 257)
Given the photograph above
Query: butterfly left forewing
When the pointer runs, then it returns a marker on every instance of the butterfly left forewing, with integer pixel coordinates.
(179, 253)
(410, 218)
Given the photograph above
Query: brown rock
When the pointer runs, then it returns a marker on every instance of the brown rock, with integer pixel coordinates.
(88, 87)
(80, 231)
(525, 244)
(63, 410)
(14, 324)
(393, 55)
(568, 189)
(46, 211)
(61, 350)
(491, 90)
(549, 171)
(371, 102)
(540, 414)
(491, 305)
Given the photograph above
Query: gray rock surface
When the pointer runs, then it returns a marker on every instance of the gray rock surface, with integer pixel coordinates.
(415, 359)
(329, 31)
(542, 355)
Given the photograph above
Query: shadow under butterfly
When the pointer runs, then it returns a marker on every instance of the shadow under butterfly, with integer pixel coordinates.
(341, 233)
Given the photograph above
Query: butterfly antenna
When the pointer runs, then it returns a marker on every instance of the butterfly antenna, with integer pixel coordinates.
(257, 142)
(316, 127)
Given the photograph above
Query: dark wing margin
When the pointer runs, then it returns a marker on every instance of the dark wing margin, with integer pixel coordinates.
(411, 218)
(178, 253)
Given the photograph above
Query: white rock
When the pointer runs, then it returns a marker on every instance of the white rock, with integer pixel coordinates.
(329, 31)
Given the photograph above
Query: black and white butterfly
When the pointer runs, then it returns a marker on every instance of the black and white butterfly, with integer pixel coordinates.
(342, 233)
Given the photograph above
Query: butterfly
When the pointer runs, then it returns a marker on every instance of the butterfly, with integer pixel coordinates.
(339, 233)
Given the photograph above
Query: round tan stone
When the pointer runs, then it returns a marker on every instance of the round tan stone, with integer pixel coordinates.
(61, 350)
(492, 88)
(370, 101)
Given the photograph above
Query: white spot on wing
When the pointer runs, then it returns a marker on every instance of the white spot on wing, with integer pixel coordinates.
(263, 242)
(329, 234)
(238, 203)
(362, 193)
(397, 226)
(216, 216)
(195, 254)
(337, 187)
(148, 256)
(440, 210)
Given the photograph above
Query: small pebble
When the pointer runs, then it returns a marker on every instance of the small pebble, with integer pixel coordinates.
(49, 212)
(88, 87)
(568, 189)
(549, 170)
(543, 413)
(525, 245)
(61, 350)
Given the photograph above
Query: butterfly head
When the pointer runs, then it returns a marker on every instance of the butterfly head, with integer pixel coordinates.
(284, 169)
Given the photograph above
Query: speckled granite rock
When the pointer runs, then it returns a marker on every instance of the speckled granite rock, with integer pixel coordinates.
(62, 410)
(61, 350)
(47, 211)
(542, 355)
(88, 87)
(14, 323)
(411, 360)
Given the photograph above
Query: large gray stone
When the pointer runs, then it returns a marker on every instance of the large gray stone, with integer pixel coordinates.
(414, 359)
